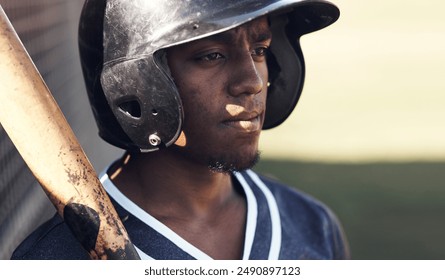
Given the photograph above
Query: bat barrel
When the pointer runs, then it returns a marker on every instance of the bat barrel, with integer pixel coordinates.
(37, 127)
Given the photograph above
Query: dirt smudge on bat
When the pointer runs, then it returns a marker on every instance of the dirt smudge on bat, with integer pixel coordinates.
(75, 177)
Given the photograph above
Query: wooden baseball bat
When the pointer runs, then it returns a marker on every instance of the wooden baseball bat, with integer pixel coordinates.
(37, 127)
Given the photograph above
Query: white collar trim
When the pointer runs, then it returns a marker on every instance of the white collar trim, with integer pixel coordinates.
(275, 245)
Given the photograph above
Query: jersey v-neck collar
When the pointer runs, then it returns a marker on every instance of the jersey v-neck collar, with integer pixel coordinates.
(262, 234)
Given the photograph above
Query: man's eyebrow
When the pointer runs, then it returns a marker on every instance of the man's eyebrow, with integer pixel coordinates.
(260, 32)
(262, 35)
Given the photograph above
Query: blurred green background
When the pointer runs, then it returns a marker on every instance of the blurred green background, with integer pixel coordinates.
(388, 210)
(368, 135)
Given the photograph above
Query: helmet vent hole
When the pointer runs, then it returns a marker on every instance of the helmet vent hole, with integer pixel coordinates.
(131, 108)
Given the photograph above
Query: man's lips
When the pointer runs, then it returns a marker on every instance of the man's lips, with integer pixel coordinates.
(248, 122)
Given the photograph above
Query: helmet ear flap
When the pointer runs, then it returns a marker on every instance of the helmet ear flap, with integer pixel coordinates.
(286, 73)
(286, 64)
(131, 108)
(145, 109)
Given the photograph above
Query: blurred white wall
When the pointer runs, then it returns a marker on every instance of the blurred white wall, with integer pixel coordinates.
(375, 87)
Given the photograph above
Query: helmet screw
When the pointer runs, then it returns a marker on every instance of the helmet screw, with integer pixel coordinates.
(154, 140)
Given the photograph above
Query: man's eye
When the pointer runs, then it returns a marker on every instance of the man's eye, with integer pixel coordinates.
(210, 57)
(261, 51)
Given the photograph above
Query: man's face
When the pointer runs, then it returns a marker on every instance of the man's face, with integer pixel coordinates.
(222, 81)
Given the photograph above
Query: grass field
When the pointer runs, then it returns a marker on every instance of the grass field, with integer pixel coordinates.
(388, 210)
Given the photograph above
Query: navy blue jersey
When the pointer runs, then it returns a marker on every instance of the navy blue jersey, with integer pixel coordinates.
(282, 223)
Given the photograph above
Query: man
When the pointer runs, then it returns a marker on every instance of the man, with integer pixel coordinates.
(185, 87)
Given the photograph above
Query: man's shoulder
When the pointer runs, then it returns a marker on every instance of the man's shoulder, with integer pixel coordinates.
(302, 213)
(51, 241)
(291, 195)
(292, 200)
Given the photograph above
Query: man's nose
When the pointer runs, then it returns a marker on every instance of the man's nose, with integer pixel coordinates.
(245, 77)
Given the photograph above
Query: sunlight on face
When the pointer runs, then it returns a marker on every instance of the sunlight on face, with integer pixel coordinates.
(182, 140)
(234, 110)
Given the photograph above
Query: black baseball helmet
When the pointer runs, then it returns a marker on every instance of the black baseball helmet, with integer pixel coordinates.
(122, 50)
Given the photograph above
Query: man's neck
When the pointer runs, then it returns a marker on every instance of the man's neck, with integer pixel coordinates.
(163, 183)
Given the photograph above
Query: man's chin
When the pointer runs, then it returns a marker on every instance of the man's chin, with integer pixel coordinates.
(224, 165)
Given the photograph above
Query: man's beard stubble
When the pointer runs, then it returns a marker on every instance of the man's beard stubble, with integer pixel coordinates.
(224, 165)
